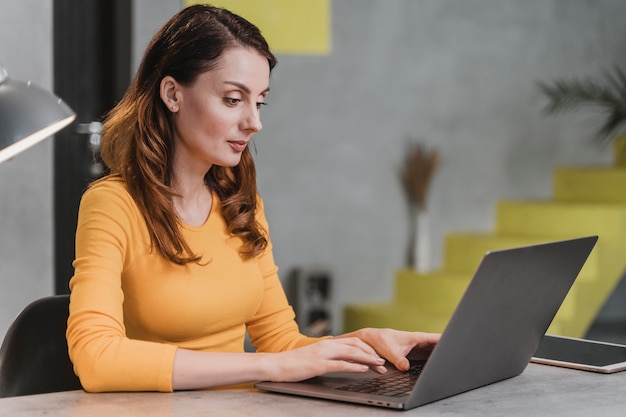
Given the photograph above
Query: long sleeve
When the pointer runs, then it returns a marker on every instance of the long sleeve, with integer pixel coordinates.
(104, 357)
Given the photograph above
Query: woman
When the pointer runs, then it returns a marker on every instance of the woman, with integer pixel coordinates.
(173, 258)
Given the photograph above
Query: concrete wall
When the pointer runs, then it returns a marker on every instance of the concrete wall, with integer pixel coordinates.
(26, 255)
(458, 74)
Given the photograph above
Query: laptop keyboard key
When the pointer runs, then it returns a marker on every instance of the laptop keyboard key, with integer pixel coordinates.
(395, 384)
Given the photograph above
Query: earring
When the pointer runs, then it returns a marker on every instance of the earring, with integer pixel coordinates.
(174, 108)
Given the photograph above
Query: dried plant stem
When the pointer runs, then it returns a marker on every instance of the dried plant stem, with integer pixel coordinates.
(417, 172)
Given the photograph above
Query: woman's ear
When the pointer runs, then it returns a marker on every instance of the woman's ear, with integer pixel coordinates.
(169, 93)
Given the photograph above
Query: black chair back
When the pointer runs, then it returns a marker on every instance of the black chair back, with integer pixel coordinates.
(33, 356)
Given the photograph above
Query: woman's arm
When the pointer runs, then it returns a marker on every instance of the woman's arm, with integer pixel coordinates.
(354, 352)
(104, 358)
(193, 370)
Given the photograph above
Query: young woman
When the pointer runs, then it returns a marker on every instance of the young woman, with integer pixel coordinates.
(173, 257)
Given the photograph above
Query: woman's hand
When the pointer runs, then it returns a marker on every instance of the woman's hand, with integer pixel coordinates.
(396, 346)
(356, 352)
(346, 354)
(195, 369)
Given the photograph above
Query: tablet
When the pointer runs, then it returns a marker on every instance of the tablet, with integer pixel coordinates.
(584, 354)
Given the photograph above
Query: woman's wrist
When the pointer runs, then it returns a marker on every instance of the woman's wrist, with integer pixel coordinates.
(267, 366)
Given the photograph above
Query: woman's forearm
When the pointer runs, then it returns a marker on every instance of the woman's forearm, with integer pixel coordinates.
(196, 370)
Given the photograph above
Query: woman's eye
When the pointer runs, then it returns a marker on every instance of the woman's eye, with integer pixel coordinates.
(261, 103)
(231, 101)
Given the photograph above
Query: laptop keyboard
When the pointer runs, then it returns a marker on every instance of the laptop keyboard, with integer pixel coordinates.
(395, 384)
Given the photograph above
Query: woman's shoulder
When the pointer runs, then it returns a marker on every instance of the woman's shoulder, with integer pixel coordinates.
(108, 200)
(108, 190)
(109, 185)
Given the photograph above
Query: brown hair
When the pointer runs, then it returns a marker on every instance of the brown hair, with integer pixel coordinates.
(138, 140)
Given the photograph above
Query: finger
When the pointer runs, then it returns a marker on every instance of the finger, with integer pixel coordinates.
(397, 357)
(429, 339)
(364, 352)
(348, 352)
(347, 366)
(400, 362)
(379, 369)
(356, 342)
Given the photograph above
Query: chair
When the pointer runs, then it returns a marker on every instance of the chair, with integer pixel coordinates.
(33, 356)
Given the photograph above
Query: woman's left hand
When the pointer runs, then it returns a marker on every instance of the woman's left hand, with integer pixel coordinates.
(396, 345)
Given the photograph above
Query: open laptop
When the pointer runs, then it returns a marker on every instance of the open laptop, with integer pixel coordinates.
(492, 335)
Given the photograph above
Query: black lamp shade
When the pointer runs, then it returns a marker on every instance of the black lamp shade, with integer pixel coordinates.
(28, 115)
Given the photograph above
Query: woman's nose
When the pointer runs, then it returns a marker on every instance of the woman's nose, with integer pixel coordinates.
(252, 120)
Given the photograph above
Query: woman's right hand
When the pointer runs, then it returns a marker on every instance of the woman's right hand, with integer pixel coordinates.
(348, 354)
(196, 369)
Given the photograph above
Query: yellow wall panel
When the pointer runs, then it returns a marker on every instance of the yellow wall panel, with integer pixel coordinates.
(297, 27)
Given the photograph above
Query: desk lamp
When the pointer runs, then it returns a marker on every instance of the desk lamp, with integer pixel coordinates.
(28, 115)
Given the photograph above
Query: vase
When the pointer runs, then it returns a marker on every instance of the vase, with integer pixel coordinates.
(619, 151)
(421, 257)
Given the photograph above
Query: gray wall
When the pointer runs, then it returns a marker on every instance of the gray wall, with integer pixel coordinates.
(459, 74)
(26, 254)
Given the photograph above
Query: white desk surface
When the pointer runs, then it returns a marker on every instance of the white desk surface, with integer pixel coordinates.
(540, 390)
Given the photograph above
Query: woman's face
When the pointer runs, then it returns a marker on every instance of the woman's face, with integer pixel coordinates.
(216, 117)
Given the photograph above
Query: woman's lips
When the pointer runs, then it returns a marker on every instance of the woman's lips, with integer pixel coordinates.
(238, 146)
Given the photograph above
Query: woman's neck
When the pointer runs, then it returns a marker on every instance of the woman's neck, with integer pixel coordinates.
(193, 199)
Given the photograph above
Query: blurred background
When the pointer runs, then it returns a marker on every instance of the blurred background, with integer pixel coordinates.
(460, 76)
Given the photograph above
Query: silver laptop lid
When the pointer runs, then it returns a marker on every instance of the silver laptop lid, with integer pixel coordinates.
(501, 318)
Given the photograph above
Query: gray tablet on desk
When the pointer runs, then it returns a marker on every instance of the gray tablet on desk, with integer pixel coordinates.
(584, 354)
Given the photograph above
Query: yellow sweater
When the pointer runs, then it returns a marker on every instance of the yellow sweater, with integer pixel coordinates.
(131, 308)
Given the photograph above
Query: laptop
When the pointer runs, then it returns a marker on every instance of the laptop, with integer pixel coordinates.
(492, 335)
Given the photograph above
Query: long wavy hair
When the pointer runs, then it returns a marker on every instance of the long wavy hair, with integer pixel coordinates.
(138, 134)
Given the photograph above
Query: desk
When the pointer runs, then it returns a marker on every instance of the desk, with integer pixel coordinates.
(540, 391)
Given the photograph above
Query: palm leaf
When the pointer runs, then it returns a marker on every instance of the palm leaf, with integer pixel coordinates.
(609, 96)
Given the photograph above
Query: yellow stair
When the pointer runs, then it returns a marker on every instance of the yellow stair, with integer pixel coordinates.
(586, 201)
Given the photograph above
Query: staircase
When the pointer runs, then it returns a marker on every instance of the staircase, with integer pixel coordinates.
(586, 201)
